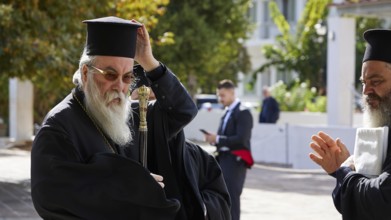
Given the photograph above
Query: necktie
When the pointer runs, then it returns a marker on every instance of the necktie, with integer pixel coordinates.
(225, 120)
(220, 130)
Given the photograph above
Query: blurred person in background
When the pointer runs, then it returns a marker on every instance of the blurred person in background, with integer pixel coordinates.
(270, 110)
(233, 143)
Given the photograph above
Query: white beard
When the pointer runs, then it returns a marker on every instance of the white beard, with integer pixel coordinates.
(380, 116)
(112, 119)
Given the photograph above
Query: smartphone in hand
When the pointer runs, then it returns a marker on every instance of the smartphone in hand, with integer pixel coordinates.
(204, 131)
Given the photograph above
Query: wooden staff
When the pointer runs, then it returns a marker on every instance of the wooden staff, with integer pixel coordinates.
(143, 93)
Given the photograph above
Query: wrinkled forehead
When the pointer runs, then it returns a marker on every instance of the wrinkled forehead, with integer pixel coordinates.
(374, 68)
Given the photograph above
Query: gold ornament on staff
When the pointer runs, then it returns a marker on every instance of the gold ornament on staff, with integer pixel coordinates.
(143, 92)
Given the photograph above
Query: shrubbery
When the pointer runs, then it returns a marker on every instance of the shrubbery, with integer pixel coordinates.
(298, 97)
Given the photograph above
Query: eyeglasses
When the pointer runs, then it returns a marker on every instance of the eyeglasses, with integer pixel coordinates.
(111, 75)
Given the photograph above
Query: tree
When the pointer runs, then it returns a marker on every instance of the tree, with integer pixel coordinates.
(303, 51)
(41, 40)
(208, 38)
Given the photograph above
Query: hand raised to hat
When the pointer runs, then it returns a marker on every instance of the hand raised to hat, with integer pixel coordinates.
(144, 54)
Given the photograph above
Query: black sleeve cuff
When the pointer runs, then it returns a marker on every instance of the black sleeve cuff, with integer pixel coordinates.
(342, 172)
(156, 73)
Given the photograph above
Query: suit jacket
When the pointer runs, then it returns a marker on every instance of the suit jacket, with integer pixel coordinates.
(270, 111)
(237, 132)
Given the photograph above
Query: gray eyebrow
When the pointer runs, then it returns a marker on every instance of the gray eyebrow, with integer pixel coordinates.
(112, 69)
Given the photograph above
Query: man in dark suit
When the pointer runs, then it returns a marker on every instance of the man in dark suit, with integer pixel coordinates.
(233, 143)
(270, 109)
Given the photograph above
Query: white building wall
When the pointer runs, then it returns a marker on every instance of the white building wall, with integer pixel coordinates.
(285, 143)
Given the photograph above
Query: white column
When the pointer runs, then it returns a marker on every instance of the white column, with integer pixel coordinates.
(240, 85)
(21, 110)
(340, 70)
(273, 76)
(258, 85)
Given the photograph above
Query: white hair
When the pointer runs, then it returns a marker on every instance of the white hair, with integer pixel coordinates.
(380, 116)
(84, 60)
(114, 119)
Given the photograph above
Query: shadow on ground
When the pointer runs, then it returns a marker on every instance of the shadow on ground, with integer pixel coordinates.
(15, 200)
(284, 180)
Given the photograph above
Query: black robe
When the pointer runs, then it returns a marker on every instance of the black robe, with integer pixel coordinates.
(74, 174)
(358, 197)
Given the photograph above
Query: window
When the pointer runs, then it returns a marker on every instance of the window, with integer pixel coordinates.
(288, 10)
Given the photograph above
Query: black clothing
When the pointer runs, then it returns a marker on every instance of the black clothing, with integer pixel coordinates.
(270, 111)
(358, 197)
(237, 132)
(120, 32)
(235, 135)
(75, 175)
(234, 175)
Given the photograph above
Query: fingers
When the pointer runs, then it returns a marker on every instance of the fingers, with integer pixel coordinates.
(210, 138)
(342, 146)
(328, 140)
(317, 149)
(323, 153)
(142, 33)
(135, 21)
(159, 179)
(319, 141)
(316, 159)
(344, 153)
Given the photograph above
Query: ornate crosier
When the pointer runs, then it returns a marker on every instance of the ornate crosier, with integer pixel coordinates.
(143, 92)
(142, 83)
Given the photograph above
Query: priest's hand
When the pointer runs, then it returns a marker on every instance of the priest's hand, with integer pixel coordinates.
(329, 153)
(159, 179)
(144, 54)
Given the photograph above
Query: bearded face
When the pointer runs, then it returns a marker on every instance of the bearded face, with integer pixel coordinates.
(377, 116)
(111, 111)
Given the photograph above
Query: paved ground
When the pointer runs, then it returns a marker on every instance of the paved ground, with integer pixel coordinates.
(270, 193)
(15, 199)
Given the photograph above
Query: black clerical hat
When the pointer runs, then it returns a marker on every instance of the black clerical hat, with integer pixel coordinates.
(378, 45)
(111, 36)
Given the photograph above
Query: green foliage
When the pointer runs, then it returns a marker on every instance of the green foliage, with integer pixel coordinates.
(303, 51)
(298, 96)
(41, 40)
(208, 37)
(147, 12)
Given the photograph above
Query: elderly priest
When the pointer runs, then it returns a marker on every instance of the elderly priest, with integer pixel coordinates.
(85, 160)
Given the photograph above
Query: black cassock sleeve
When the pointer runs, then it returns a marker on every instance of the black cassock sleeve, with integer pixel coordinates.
(358, 197)
(107, 186)
(207, 181)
